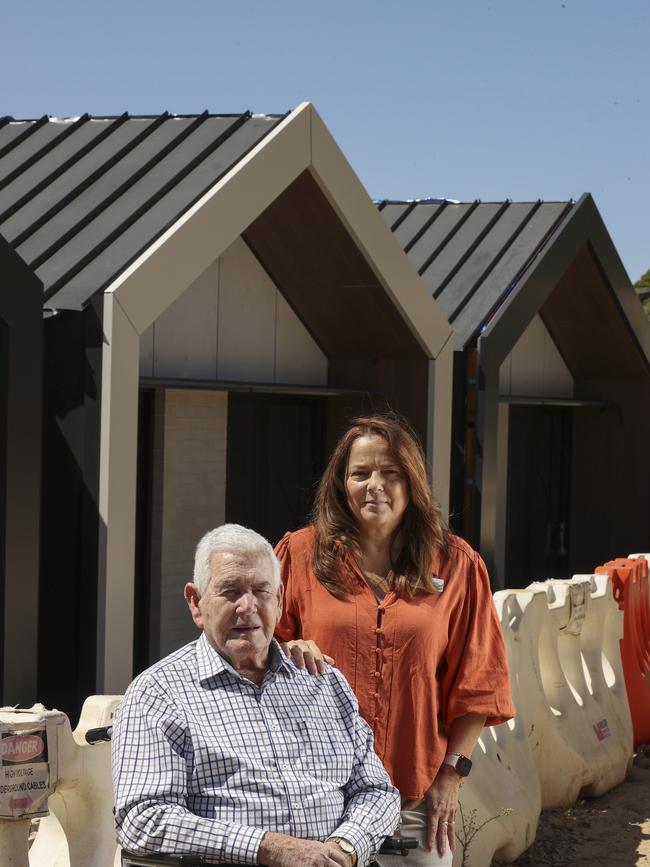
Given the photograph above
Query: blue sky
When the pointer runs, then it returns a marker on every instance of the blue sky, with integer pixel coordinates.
(488, 99)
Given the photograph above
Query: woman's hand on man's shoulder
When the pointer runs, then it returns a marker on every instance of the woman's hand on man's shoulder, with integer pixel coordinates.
(307, 654)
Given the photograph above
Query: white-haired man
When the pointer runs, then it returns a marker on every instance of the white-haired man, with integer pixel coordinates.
(228, 750)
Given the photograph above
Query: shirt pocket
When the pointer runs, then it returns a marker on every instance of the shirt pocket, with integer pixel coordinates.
(327, 751)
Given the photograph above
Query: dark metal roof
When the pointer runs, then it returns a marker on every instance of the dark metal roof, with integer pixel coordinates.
(471, 254)
(81, 198)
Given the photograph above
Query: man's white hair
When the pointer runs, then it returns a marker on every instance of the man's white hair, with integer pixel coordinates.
(231, 539)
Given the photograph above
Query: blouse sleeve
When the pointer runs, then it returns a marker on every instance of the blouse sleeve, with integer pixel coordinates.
(476, 678)
(288, 626)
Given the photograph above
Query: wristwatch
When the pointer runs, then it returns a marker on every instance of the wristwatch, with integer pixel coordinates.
(345, 846)
(460, 763)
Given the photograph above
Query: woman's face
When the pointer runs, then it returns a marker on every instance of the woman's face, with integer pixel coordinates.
(375, 484)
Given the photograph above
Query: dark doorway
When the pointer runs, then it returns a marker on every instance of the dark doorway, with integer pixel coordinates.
(4, 406)
(539, 494)
(144, 643)
(276, 454)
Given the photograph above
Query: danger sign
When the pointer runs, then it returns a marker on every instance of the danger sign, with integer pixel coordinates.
(22, 748)
(24, 771)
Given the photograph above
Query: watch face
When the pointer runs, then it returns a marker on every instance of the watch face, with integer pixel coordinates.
(346, 846)
(463, 765)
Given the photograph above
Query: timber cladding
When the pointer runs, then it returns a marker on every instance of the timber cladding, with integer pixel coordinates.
(585, 320)
(314, 261)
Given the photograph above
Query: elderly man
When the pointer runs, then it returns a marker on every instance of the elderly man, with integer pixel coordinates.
(228, 750)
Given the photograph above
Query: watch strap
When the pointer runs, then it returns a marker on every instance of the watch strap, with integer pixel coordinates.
(460, 763)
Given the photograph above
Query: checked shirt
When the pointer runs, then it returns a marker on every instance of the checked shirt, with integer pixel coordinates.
(205, 761)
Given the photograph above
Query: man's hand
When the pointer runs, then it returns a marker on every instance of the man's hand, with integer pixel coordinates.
(279, 850)
(307, 654)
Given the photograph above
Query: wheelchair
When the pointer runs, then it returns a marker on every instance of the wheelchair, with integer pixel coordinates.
(391, 846)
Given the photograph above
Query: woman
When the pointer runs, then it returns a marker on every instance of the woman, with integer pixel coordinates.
(406, 611)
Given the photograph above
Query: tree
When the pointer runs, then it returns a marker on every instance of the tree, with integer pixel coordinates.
(643, 282)
(642, 287)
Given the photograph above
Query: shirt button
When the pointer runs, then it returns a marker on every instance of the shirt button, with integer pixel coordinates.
(377, 674)
(378, 650)
(378, 631)
(377, 696)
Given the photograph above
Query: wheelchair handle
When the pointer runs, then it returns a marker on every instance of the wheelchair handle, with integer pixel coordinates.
(99, 735)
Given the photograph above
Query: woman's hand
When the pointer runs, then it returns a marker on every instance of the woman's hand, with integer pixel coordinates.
(441, 801)
(307, 654)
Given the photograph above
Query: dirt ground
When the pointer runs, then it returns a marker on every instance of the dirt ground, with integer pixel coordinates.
(611, 831)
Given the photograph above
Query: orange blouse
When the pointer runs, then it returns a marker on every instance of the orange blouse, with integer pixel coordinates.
(414, 666)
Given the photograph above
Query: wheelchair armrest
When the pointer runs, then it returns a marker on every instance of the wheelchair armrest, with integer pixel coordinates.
(398, 845)
(129, 860)
(390, 846)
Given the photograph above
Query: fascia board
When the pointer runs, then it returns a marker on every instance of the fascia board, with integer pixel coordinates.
(582, 225)
(166, 269)
(378, 244)
(117, 498)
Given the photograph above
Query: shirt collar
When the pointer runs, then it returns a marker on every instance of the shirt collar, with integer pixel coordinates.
(210, 663)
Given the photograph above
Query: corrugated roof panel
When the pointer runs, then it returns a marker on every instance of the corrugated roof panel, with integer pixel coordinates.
(413, 224)
(438, 234)
(43, 138)
(472, 254)
(30, 179)
(72, 181)
(392, 212)
(136, 237)
(126, 207)
(460, 289)
(496, 285)
(11, 130)
(454, 252)
(103, 191)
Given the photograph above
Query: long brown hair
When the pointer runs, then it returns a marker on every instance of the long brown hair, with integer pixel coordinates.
(422, 527)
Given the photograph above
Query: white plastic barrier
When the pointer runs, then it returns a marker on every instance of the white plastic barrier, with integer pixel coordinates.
(503, 792)
(582, 741)
(79, 831)
(28, 775)
(573, 732)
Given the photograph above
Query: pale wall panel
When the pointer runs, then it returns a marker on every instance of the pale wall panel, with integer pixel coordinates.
(233, 324)
(193, 498)
(247, 317)
(146, 352)
(535, 368)
(185, 336)
(298, 357)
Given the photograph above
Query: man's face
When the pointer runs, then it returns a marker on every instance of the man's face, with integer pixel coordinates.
(239, 608)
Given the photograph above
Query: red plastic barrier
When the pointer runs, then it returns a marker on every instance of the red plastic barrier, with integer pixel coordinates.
(630, 583)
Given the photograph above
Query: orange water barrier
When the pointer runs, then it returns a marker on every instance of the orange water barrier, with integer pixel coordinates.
(629, 576)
